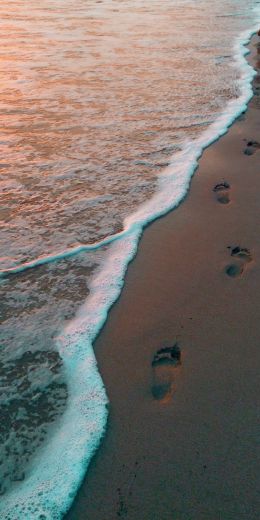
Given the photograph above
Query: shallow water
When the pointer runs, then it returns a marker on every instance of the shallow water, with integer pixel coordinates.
(103, 105)
(95, 99)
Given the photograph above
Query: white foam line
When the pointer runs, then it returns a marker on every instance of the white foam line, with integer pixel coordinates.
(67, 253)
(58, 469)
(161, 203)
(150, 211)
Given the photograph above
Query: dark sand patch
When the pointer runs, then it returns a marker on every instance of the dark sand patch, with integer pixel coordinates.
(221, 191)
(242, 256)
(252, 147)
(234, 270)
(164, 364)
(242, 253)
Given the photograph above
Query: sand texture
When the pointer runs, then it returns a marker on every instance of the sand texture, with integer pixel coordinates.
(183, 430)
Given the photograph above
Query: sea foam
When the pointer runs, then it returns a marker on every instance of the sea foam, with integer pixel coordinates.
(58, 469)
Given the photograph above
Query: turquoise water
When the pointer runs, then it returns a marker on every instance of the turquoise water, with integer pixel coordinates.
(106, 108)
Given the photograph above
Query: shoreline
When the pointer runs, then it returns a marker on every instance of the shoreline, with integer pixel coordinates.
(164, 474)
(205, 142)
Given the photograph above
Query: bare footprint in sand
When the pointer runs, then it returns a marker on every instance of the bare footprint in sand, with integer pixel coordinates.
(242, 256)
(222, 192)
(251, 147)
(164, 363)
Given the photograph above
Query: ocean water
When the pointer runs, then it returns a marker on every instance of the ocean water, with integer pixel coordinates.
(106, 107)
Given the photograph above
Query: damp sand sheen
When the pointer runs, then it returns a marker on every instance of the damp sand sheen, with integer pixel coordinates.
(106, 109)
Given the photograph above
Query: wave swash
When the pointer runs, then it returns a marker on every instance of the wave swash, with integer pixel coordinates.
(59, 466)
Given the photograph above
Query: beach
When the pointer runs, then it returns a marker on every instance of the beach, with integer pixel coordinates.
(129, 257)
(191, 455)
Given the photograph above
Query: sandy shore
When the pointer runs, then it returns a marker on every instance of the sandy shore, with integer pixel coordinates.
(192, 456)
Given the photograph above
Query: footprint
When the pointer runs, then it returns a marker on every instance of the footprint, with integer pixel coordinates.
(222, 192)
(251, 147)
(164, 363)
(234, 270)
(242, 256)
(241, 252)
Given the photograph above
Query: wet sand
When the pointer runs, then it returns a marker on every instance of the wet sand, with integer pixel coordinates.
(193, 454)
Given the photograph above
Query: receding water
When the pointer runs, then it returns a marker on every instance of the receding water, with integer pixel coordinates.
(104, 105)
